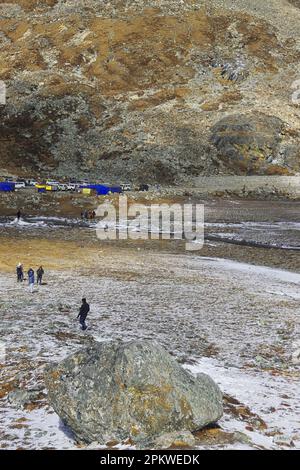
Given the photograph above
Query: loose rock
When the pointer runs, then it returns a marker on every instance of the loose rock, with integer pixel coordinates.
(136, 390)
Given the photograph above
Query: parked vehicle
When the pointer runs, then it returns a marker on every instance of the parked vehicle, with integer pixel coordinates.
(126, 187)
(62, 187)
(52, 183)
(143, 187)
(20, 184)
(71, 186)
(31, 183)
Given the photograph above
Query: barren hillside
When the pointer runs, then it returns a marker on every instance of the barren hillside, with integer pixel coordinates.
(150, 90)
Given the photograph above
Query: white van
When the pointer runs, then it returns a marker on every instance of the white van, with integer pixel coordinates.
(20, 184)
(52, 183)
(126, 187)
(62, 187)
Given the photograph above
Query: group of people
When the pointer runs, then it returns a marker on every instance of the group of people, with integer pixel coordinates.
(88, 214)
(84, 309)
(31, 275)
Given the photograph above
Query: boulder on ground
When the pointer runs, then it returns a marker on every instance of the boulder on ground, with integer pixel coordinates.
(135, 390)
(251, 144)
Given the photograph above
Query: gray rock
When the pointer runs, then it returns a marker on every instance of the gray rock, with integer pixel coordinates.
(243, 438)
(249, 143)
(19, 398)
(178, 439)
(136, 390)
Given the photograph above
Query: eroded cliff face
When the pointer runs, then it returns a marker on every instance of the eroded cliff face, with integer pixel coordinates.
(141, 90)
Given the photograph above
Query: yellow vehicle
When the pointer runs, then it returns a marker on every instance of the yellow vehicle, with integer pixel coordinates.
(86, 191)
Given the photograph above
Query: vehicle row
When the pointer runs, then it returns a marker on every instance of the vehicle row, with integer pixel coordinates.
(73, 185)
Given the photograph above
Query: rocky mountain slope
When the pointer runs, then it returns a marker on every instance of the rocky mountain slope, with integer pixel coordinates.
(150, 90)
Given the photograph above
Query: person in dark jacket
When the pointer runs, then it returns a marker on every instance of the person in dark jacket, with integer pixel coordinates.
(19, 215)
(20, 273)
(30, 279)
(40, 273)
(83, 312)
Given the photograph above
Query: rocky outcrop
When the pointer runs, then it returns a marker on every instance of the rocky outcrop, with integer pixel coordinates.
(136, 390)
(131, 90)
(252, 145)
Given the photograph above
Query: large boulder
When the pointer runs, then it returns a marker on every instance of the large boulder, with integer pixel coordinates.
(251, 144)
(116, 391)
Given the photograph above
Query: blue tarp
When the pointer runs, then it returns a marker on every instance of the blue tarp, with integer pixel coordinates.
(7, 186)
(115, 189)
(103, 189)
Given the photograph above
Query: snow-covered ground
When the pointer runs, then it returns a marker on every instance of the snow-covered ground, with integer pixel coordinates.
(239, 323)
(275, 399)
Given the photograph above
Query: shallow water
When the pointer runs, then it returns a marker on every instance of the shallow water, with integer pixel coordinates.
(260, 223)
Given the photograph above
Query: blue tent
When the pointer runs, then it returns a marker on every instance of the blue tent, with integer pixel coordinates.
(115, 189)
(7, 186)
(103, 189)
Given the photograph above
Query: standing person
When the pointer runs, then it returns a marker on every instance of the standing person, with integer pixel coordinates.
(83, 312)
(19, 215)
(31, 279)
(40, 273)
(20, 273)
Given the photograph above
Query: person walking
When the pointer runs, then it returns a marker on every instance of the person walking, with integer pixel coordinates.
(19, 215)
(20, 273)
(40, 273)
(31, 279)
(83, 312)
